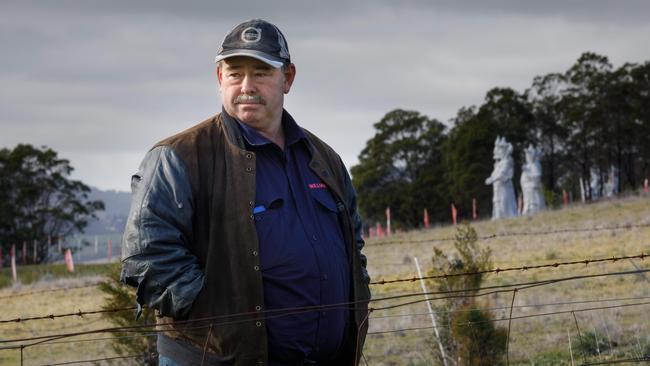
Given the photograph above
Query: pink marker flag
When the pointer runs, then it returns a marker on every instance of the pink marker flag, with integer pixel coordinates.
(565, 198)
(426, 219)
(388, 221)
(69, 262)
(380, 231)
(454, 214)
(13, 262)
(645, 186)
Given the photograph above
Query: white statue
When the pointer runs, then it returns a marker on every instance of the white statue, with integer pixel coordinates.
(611, 187)
(595, 183)
(504, 203)
(531, 182)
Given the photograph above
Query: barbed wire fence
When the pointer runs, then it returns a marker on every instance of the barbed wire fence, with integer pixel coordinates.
(376, 305)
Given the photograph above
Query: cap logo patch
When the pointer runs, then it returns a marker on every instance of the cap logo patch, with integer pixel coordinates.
(251, 35)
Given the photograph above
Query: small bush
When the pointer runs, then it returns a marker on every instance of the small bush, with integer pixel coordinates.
(467, 334)
(592, 343)
(479, 342)
(121, 296)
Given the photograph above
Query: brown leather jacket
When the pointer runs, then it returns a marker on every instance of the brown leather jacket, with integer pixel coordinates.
(191, 248)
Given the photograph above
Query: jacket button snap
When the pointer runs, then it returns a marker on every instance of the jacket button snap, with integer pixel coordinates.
(248, 156)
(256, 268)
(251, 203)
(248, 169)
(258, 324)
(254, 252)
(258, 308)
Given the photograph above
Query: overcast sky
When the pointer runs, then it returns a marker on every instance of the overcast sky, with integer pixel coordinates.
(101, 81)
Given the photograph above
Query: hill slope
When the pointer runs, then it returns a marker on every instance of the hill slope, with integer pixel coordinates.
(113, 218)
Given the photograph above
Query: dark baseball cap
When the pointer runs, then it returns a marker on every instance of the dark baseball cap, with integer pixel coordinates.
(256, 38)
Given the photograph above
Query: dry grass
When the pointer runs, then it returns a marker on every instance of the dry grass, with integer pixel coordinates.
(538, 340)
(57, 302)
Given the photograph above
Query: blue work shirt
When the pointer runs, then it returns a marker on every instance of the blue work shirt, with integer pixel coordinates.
(302, 252)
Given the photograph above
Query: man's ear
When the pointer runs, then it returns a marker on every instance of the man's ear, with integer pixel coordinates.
(289, 76)
(218, 70)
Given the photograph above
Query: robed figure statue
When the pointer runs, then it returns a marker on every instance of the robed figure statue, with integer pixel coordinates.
(504, 203)
(531, 182)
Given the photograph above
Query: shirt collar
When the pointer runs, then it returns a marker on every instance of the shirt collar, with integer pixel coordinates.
(292, 132)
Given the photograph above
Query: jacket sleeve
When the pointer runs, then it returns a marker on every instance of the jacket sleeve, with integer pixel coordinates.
(351, 199)
(156, 258)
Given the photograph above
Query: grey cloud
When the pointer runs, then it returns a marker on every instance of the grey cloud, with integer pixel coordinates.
(102, 81)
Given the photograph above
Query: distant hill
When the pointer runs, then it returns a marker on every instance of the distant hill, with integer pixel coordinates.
(113, 218)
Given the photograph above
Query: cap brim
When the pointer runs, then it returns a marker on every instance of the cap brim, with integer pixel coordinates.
(251, 53)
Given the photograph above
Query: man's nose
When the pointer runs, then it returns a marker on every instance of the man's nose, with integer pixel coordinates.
(248, 85)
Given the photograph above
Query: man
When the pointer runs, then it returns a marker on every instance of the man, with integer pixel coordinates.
(243, 232)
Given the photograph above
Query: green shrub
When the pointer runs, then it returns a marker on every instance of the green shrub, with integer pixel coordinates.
(478, 341)
(467, 334)
(121, 296)
(591, 343)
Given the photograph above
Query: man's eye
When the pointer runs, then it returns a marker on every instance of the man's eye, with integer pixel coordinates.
(234, 75)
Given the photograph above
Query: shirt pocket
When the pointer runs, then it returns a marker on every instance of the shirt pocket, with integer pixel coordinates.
(325, 200)
(327, 215)
(270, 213)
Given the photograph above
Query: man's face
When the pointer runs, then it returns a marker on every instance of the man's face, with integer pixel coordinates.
(253, 91)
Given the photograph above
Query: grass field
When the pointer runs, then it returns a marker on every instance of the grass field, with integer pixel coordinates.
(542, 340)
(36, 299)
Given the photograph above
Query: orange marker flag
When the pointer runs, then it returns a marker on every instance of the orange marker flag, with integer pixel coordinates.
(69, 262)
(426, 219)
(454, 214)
(565, 198)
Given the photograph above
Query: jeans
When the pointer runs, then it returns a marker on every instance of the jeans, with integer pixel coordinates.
(166, 361)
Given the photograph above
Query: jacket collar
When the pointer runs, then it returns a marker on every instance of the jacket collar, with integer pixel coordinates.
(317, 163)
(232, 130)
(240, 134)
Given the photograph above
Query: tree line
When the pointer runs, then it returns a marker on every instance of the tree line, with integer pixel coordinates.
(39, 203)
(586, 120)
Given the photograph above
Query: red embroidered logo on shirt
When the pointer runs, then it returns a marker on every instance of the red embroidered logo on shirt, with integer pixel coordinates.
(317, 186)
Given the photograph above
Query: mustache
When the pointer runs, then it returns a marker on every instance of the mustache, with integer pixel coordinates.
(254, 99)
